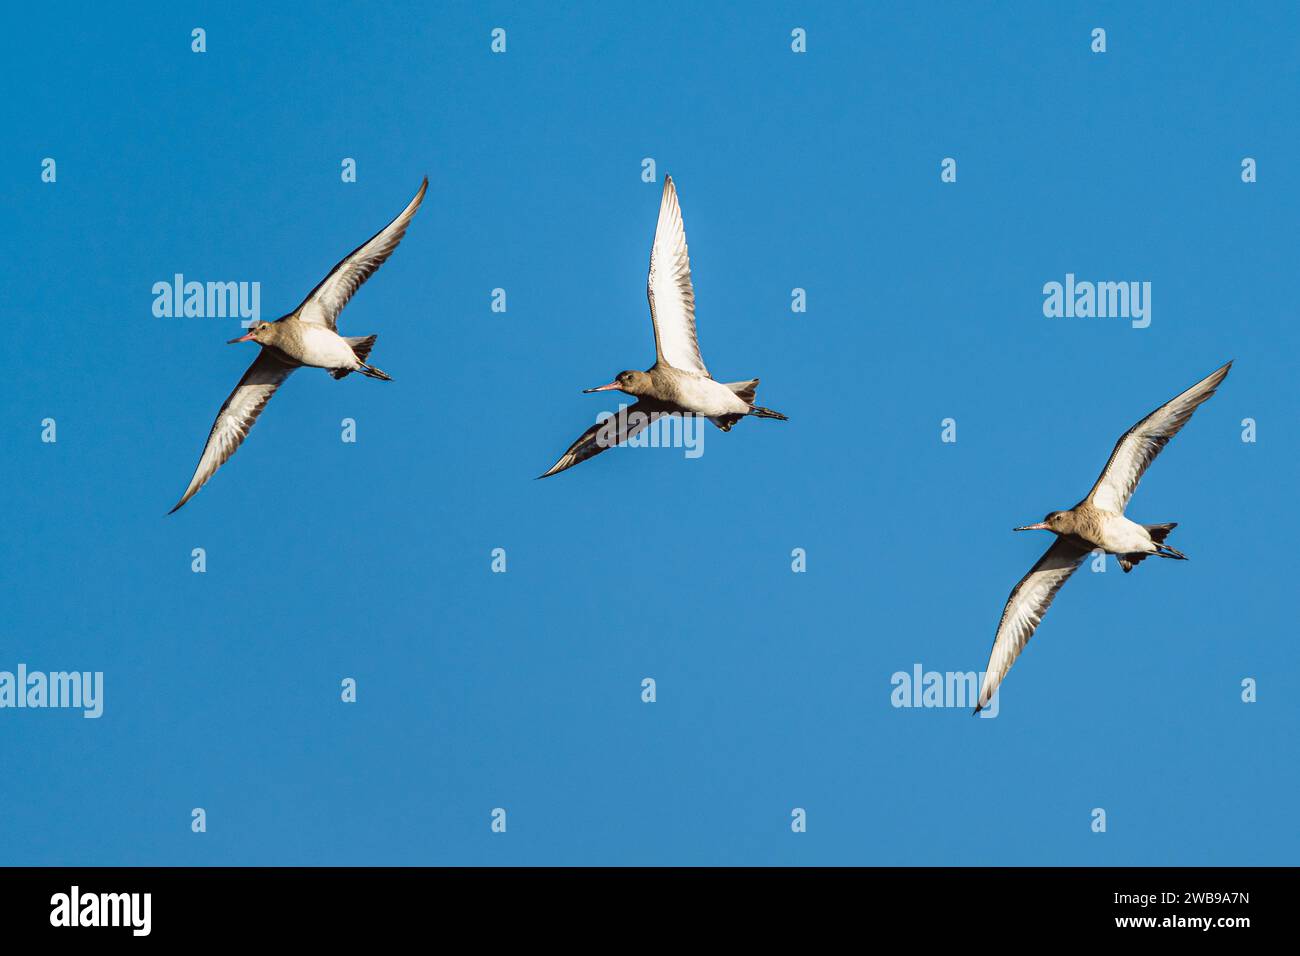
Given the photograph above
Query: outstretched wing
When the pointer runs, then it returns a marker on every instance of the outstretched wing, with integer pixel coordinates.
(1025, 608)
(237, 416)
(1141, 443)
(672, 299)
(608, 433)
(327, 300)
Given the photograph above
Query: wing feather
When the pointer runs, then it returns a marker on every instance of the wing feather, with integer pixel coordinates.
(323, 305)
(603, 435)
(1139, 446)
(1028, 602)
(672, 298)
(237, 416)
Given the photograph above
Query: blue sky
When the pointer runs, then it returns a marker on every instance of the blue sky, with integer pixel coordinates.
(521, 690)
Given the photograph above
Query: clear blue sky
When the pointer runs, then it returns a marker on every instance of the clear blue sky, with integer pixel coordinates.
(521, 690)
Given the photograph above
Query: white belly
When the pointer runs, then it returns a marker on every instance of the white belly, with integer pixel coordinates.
(704, 396)
(1121, 536)
(324, 348)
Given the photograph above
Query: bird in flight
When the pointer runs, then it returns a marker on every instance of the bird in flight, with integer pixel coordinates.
(1095, 523)
(306, 336)
(678, 382)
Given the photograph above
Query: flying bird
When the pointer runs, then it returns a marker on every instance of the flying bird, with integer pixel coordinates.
(306, 336)
(1096, 522)
(678, 382)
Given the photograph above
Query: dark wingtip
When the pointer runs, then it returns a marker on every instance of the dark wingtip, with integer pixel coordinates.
(555, 469)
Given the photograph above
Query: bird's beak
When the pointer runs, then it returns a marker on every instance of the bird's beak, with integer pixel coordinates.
(242, 338)
(601, 388)
(1041, 526)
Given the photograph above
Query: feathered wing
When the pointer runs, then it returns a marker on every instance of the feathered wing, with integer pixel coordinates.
(1139, 446)
(1025, 608)
(327, 300)
(237, 416)
(606, 434)
(672, 299)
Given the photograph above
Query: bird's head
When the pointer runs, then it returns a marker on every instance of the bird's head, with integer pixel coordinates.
(1060, 522)
(632, 382)
(260, 333)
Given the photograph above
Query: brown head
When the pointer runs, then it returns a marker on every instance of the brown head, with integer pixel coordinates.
(632, 382)
(1059, 522)
(261, 333)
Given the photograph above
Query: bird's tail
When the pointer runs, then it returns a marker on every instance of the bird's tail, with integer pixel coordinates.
(361, 346)
(745, 391)
(1158, 534)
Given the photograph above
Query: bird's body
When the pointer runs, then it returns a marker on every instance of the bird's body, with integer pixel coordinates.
(1096, 523)
(1096, 529)
(306, 343)
(307, 336)
(678, 382)
(694, 393)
